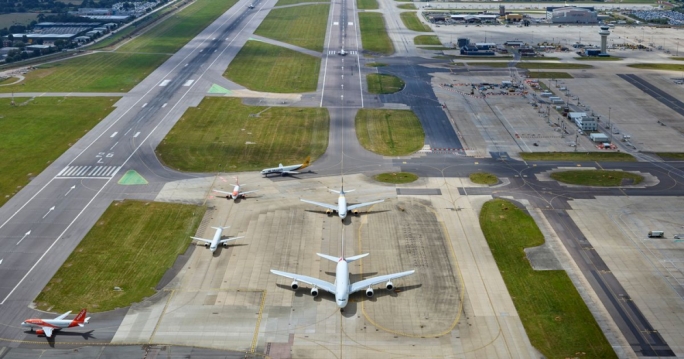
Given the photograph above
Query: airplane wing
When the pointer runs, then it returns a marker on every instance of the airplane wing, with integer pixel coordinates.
(326, 286)
(244, 193)
(224, 192)
(361, 285)
(63, 316)
(229, 239)
(324, 205)
(355, 206)
(47, 331)
(290, 172)
(201, 239)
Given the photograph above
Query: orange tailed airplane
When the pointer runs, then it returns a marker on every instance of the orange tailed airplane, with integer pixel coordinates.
(48, 326)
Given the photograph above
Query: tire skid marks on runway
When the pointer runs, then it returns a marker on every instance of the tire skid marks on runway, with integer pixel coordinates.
(88, 172)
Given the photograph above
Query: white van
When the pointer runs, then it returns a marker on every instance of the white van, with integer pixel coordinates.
(656, 234)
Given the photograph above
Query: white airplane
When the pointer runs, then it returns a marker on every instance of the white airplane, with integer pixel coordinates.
(48, 326)
(342, 209)
(342, 288)
(216, 241)
(286, 170)
(236, 191)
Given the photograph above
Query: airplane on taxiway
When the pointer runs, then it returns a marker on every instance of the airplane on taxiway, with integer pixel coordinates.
(236, 191)
(342, 287)
(216, 241)
(341, 208)
(286, 170)
(48, 326)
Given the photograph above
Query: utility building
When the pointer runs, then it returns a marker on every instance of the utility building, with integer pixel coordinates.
(573, 15)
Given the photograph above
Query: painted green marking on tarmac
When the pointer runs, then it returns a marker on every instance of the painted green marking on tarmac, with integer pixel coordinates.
(218, 89)
(131, 178)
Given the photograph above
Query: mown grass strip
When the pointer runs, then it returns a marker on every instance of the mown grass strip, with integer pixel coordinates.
(599, 178)
(550, 65)
(396, 177)
(483, 178)
(407, 6)
(549, 75)
(389, 132)
(37, 131)
(132, 245)
(555, 317)
(411, 21)
(268, 68)
(666, 67)
(384, 84)
(671, 156)
(373, 34)
(427, 40)
(303, 26)
(578, 156)
(367, 4)
(292, 2)
(224, 134)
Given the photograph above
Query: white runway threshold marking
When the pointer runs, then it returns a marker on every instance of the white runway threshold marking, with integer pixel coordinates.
(97, 172)
(114, 134)
(188, 83)
(164, 83)
(136, 134)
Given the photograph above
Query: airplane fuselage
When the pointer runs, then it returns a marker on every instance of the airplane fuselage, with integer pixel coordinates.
(342, 285)
(236, 192)
(215, 241)
(280, 170)
(342, 206)
(53, 323)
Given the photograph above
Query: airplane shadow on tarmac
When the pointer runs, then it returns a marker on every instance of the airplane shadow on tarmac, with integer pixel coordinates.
(348, 220)
(51, 341)
(220, 249)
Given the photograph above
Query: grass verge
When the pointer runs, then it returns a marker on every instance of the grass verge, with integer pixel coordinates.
(38, 131)
(549, 75)
(407, 6)
(384, 84)
(488, 64)
(596, 58)
(677, 58)
(552, 65)
(264, 67)
(671, 156)
(667, 67)
(427, 40)
(555, 317)
(221, 131)
(600, 178)
(396, 177)
(376, 64)
(367, 4)
(412, 22)
(132, 245)
(373, 34)
(389, 132)
(483, 178)
(292, 2)
(578, 156)
(302, 26)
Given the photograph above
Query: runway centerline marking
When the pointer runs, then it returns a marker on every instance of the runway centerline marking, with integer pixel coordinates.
(113, 134)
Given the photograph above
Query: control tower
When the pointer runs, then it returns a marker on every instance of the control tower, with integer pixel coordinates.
(604, 40)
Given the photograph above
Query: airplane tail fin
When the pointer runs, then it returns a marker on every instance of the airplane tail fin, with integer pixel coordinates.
(307, 161)
(330, 258)
(351, 259)
(80, 319)
(280, 165)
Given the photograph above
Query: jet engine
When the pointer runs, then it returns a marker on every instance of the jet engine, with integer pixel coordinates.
(389, 285)
(294, 285)
(225, 244)
(40, 332)
(369, 293)
(314, 292)
(329, 212)
(206, 245)
(355, 212)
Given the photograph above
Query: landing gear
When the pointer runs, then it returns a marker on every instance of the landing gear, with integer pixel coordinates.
(341, 310)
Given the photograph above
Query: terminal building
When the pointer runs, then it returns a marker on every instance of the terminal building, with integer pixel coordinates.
(573, 15)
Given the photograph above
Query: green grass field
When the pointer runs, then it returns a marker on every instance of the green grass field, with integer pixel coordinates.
(552, 65)
(549, 75)
(38, 131)
(483, 178)
(221, 131)
(131, 246)
(367, 4)
(489, 64)
(407, 6)
(555, 317)
(667, 67)
(303, 26)
(578, 156)
(100, 72)
(596, 58)
(427, 40)
(384, 84)
(264, 67)
(373, 34)
(396, 177)
(675, 58)
(412, 22)
(290, 2)
(389, 132)
(597, 178)
(376, 64)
